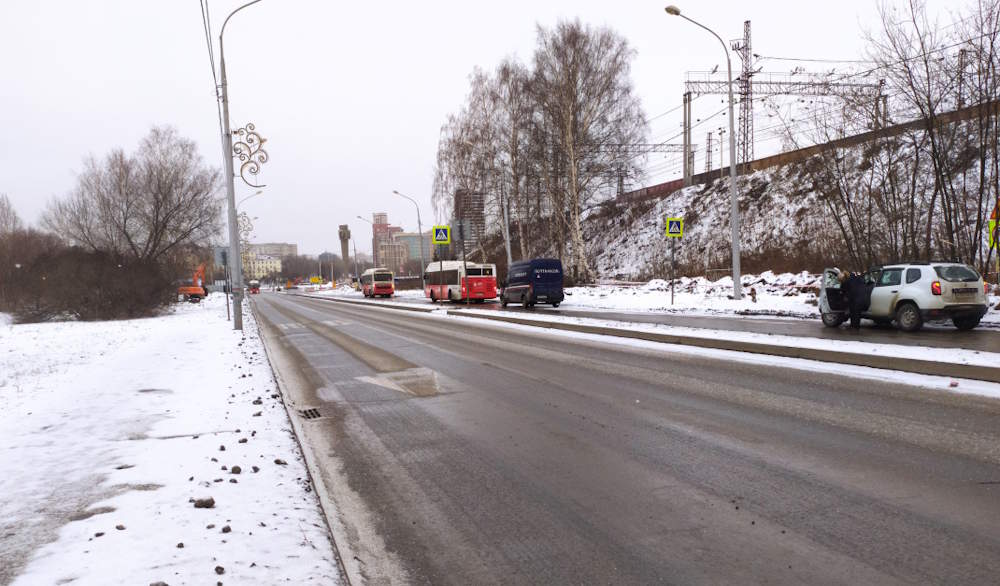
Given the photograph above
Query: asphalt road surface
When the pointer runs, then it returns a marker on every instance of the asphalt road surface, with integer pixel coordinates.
(984, 338)
(482, 454)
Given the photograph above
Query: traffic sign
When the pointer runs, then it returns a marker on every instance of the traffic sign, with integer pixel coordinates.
(675, 227)
(442, 235)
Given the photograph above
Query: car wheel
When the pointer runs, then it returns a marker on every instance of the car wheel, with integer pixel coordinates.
(832, 320)
(556, 304)
(503, 301)
(908, 318)
(965, 323)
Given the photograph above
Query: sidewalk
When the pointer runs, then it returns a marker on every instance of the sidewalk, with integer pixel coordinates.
(111, 432)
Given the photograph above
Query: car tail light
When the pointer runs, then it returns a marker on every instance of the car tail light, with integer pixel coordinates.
(936, 287)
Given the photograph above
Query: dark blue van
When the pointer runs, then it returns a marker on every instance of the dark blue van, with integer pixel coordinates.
(539, 280)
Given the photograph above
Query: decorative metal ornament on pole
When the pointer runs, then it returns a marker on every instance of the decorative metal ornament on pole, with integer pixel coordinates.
(249, 150)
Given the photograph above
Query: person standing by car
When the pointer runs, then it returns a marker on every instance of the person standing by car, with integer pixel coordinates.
(856, 291)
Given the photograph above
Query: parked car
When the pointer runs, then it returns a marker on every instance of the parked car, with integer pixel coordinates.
(910, 294)
(539, 280)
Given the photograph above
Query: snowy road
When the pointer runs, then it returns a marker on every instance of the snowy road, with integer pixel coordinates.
(477, 453)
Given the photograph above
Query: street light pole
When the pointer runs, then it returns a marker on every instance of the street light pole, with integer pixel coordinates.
(374, 243)
(357, 275)
(734, 217)
(420, 234)
(235, 259)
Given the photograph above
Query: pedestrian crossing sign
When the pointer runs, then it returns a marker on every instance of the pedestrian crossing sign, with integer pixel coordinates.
(442, 235)
(675, 227)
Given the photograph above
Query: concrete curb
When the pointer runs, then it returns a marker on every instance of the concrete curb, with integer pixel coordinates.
(929, 367)
(914, 365)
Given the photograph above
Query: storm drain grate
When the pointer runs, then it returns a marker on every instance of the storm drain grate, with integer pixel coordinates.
(310, 413)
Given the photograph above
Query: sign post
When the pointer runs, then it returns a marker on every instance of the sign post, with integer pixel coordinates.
(675, 230)
(442, 237)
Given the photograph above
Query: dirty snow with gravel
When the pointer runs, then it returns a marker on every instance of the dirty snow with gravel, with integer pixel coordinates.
(112, 430)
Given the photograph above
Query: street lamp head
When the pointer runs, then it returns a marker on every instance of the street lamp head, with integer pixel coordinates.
(673, 10)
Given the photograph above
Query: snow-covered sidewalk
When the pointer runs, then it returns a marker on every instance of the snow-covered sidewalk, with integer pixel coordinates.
(115, 432)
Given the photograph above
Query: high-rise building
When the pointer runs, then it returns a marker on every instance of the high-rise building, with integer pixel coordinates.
(470, 217)
(382, 233)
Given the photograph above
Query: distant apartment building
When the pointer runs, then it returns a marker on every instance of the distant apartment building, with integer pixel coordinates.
(412, 241)
(258, 266)
(275, 249)
(393, 256)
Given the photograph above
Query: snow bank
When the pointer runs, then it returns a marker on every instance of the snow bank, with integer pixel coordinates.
(786, 294)
(111, 429)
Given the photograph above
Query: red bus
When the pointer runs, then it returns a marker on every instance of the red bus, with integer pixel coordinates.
(451, 280)
(375, 282)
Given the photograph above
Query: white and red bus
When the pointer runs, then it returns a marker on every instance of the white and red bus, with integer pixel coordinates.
(375, 282)
(454, 280)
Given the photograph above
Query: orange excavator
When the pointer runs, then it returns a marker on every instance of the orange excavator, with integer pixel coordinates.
(194, 291)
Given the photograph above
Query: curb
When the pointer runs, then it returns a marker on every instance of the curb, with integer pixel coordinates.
(914, 365)
(312, 468)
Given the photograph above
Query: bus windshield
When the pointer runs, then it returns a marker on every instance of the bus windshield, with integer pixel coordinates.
(383, 276)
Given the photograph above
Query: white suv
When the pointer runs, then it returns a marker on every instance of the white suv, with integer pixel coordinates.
(911, 294)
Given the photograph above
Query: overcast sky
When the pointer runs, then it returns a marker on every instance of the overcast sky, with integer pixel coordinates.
(350, 95)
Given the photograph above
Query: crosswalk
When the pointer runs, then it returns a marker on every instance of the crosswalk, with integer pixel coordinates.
(297, 327)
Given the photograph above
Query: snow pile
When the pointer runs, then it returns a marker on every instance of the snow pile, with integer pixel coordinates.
(114, 430)
(787, 294)
(6, 319)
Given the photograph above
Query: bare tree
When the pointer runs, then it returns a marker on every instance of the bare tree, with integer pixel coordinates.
(585, 94)
(143, 207)
(979, 87)
(9, 220)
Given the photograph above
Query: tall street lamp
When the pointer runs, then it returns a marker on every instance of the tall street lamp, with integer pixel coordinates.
(420, 234)
(734, 217)
(374, 243)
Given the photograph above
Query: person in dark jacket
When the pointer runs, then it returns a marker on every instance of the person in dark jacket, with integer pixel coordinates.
(856, 292)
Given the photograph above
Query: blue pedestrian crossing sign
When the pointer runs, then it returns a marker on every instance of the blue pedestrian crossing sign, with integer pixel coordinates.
(442, 235)
(675, 227)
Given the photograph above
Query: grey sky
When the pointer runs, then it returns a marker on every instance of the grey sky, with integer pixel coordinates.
(350, 96)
